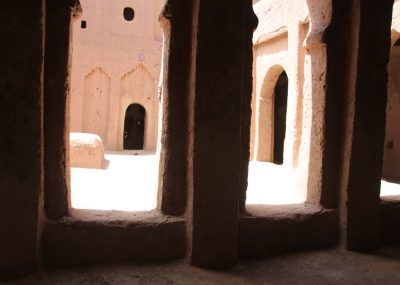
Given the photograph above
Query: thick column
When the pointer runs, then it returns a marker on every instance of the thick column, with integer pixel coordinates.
(176, 21)
(342, 43)
(250, 24)
(21, 53)
(363, 54)
(312, 146)
(215, 153)
(365, 163)
(56, 105)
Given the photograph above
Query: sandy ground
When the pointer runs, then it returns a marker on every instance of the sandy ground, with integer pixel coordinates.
(128, 182)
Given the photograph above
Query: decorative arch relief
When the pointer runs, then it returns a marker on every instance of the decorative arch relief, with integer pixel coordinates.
(138, 86)
(97, 84)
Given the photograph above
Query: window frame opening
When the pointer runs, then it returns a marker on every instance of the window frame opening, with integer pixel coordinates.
(58, 189)
(115, 79)
(66, 225)
(129, 14)
(304, 57)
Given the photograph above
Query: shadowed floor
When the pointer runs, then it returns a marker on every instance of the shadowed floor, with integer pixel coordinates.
(327, 267)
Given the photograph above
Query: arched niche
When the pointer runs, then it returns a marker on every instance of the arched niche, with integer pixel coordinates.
(265, 136)
(95, 103)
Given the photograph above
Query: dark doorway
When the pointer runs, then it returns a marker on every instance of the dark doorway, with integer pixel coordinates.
(134, 127)
(280, 107)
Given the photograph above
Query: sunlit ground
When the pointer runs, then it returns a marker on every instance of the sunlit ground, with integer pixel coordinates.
(389, 188)
(271, 184)
(129, 183)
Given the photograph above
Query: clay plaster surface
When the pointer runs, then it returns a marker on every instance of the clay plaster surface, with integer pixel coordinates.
(86, 150)
(280, 44)
(115, 63)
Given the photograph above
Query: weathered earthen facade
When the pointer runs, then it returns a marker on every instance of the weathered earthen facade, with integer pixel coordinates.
(336, 86)
(289, 43)
(115, 63)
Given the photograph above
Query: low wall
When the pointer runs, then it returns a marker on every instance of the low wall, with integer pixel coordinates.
(86, 150)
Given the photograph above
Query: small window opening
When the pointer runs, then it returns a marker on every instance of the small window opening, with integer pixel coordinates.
(129, 14)
(114, 110)
(278, 147)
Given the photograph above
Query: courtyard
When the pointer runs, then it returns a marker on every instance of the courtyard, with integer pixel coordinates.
(128, 182)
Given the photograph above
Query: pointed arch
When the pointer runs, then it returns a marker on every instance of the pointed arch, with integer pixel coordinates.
(97, 85)
(267, 130)
(139, 86)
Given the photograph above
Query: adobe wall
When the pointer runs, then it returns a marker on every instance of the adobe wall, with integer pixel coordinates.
(21, 143)
(115, 63)
(358, 42)
(278, 46)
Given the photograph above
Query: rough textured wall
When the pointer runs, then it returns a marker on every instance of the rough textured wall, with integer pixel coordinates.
(96, 97)
(289, 38)
(341, 40)
(177, 22)
(56, 103)
(21, 67)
